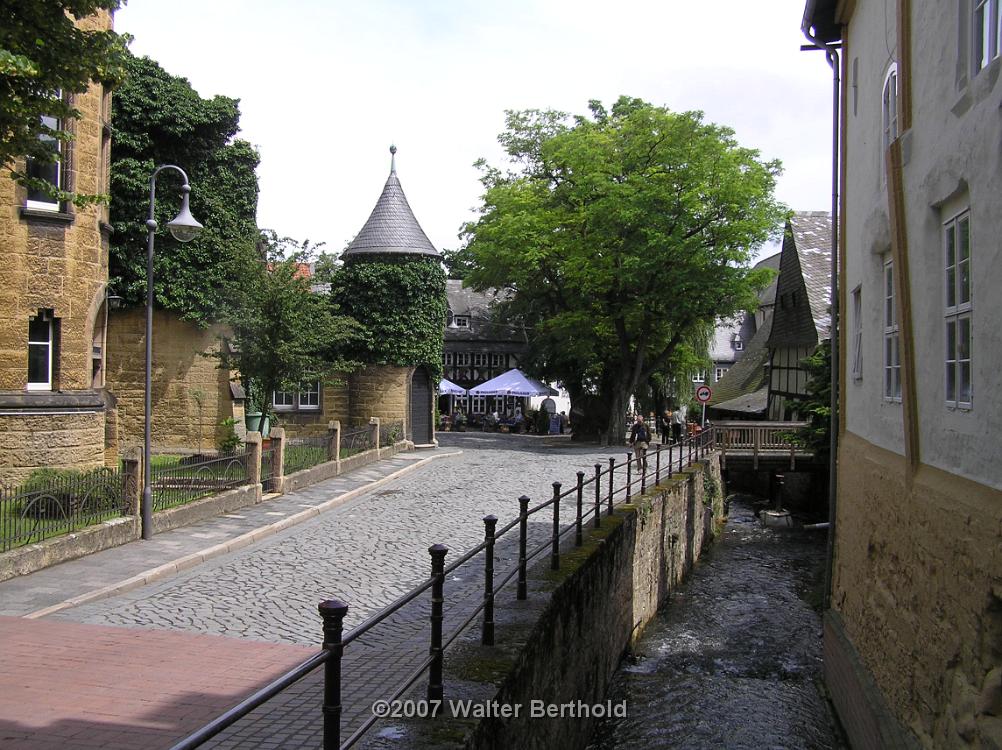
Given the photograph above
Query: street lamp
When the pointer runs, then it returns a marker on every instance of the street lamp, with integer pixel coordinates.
(184, 228)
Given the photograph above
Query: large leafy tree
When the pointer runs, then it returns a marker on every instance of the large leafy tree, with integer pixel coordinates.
(618, 237)
(159, 119)
(44, 57)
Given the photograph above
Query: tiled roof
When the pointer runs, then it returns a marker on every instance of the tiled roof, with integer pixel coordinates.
(391, 227)
(466, 302)
(812, 236)
(748, 375)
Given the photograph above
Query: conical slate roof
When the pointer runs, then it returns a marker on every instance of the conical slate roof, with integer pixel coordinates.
(391, 228)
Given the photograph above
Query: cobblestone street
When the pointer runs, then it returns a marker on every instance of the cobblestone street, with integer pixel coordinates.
(366, 552)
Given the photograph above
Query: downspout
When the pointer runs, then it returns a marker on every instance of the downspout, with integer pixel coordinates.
(831, 55)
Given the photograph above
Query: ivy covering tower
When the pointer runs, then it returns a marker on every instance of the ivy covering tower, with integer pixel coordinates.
(393, 283)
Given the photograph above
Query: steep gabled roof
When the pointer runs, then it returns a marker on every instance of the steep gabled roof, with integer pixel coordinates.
(803, 291)
(391, 228)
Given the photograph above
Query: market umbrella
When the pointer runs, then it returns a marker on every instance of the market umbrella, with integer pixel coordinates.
(513, 383)
(448, 388)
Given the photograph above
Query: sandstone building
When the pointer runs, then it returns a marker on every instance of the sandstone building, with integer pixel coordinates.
(53, 320)
(913, 636)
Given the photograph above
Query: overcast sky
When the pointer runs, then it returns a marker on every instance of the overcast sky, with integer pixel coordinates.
(325, 86)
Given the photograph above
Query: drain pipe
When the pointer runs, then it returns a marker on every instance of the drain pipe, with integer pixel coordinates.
(832, 56)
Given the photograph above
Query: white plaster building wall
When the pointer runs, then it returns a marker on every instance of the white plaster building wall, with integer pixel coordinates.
(956, 165)
(872, 45)
(952, 162)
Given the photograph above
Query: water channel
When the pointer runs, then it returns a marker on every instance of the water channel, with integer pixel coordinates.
(734, 659)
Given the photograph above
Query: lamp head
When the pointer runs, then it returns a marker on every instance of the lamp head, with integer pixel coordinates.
(184, 227)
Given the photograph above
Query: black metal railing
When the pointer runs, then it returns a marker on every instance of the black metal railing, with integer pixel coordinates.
(305, 453)
(390, 433)
(666, 457)
(52, 502)
(356, 440)
(269, 470)
(181, 480)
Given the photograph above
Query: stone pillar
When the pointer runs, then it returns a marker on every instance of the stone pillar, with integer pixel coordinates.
(132, 482)
(253, 443)
(374, 432)
(334, 442)
(278, 470)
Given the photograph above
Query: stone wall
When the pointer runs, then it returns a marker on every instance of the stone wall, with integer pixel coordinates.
(564, 643)
(378, 391)
(191, 394)
(71, 440)
(927, 624)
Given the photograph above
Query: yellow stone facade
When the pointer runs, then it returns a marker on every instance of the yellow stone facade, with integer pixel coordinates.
(379, 391)
(57, 261)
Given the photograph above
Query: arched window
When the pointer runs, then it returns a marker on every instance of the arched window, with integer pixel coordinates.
(890, 106)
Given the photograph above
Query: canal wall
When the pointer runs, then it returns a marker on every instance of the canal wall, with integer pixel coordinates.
(558, 650)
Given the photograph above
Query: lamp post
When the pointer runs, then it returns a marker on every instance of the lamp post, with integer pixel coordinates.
(184, 228)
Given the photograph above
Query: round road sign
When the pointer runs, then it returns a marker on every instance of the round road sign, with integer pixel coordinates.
(703, 394)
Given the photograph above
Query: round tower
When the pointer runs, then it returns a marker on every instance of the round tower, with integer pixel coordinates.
(393, 283)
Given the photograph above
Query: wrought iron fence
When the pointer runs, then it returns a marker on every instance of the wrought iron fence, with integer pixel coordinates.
(269, 459)
(356, 440)
(181, 480)
(305, 452)
(591, 499)
(52, 502)
(390, 433)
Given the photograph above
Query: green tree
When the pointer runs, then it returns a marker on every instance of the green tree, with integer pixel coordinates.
(815, 405)
(283, 333)
(159, 119)
(44, 58)
(617, 236)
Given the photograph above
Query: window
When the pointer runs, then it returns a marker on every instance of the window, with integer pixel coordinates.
(958, 309)
(479, 360)
(890, 106)
(462, 359)
(479, 405)
(738, 343)
(40, 349)
(448, 358)
(497, 360)
(699, 377)
(857, 333)
(461, 321)
(307, 399)
(50, 172)
(985, 32)
(719, 373)
(892, 342)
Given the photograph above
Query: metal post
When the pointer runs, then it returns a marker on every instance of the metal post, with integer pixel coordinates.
(578, 532)
(629, 477)
(681, 450)
(437, 552)
(523, 532)
(612, 470)
(643, 474)
(332, 613)
(657, 466)
(146, 506)
(598, 496)
(487, 633)
(555, 550)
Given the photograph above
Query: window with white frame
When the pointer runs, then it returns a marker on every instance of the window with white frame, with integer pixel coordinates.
(890, 106)
(985, 32)
(497, 360)
(309, 397)
(462, 359)
(47, 171)
(718, 373)
(283, 400)
(738, 343)
(306, 399)
(479, 360)
(478, 405)
(699, 377)
(447, 356)
(41, 344)
(958, 310)
(461, 321)
(892, 340)
(857, 333)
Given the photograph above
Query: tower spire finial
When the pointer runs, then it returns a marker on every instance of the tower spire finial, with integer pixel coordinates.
(393, 158)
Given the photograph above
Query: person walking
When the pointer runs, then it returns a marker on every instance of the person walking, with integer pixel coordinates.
(677, 420)
(666, 426)
(640, 437)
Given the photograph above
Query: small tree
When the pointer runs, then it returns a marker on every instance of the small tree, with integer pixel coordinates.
(283, 334)
(815, 405)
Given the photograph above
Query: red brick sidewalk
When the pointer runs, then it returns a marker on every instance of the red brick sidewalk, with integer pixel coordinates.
(90, 686)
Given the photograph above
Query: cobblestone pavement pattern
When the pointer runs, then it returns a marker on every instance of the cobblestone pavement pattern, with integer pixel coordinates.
(367, 552)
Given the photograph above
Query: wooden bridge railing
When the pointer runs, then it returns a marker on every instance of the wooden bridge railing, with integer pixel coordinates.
(757, 439)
